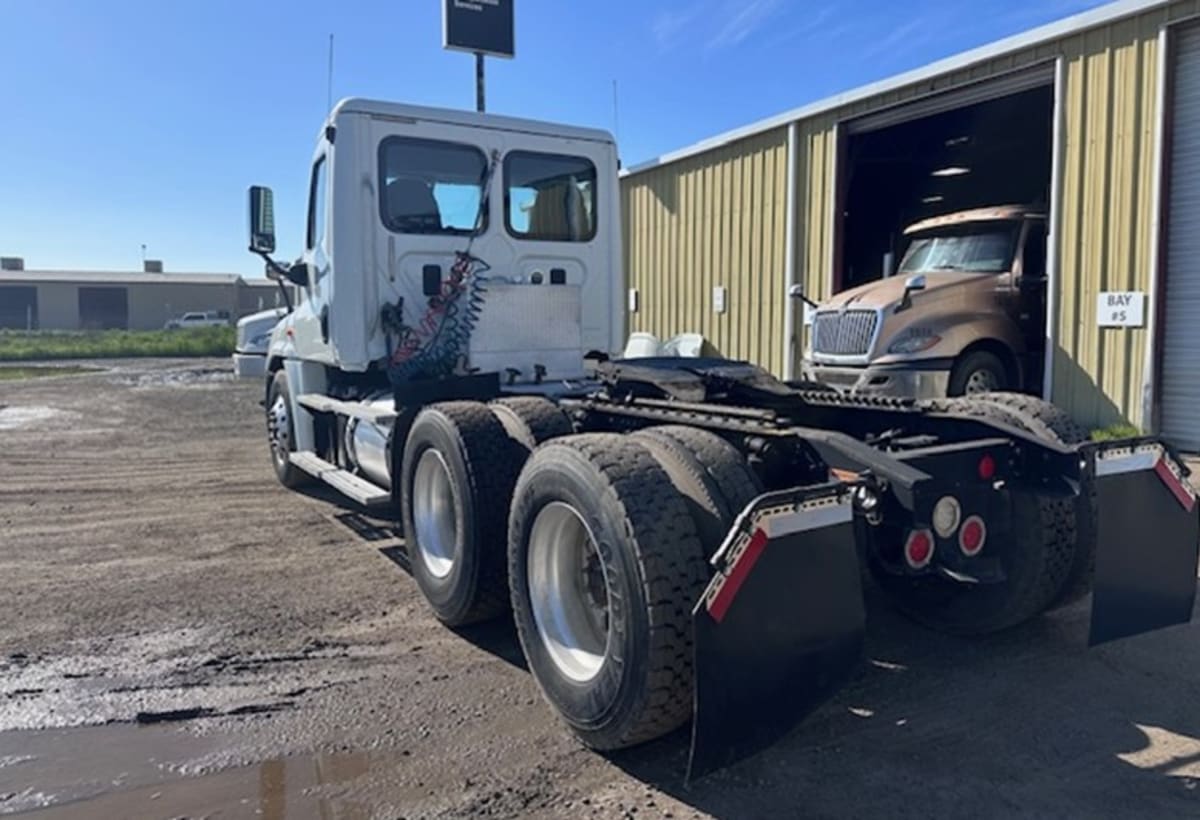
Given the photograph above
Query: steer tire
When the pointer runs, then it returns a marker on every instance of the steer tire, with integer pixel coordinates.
(1051, 423)
(979, 371)
(283, 443)
(472, 451)
(711, 475)
(531, 420)
(1037, 560)
(653, 572)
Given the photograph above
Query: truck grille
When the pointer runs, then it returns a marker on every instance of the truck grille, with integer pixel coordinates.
(848, 333)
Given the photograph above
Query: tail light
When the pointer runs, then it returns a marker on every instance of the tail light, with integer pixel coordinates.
(918, 549)
(972, 536)
(987, 467)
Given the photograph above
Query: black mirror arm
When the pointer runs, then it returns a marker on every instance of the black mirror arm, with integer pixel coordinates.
(281, 274)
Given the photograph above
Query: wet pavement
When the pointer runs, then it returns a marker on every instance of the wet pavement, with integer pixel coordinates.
(184, 638)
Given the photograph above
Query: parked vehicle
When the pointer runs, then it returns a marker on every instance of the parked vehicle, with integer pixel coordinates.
(199, 318)
(253, 340)
(676, 537)
(964, 314)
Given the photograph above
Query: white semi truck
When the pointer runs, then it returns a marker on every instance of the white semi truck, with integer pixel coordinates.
(676, 538)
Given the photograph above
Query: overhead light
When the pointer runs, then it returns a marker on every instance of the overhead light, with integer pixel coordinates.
(951, 171)
(929, 200)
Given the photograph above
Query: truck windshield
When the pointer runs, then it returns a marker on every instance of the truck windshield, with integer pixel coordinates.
(986, 247)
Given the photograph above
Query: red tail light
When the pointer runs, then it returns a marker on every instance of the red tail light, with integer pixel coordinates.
(918, 549)
(972, 536)
(987, 467)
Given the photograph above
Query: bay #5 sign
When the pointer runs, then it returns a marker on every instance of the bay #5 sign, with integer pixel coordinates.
(1116, 308)
(479, 26)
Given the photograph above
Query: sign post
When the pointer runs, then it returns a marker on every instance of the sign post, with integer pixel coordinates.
(482, 27)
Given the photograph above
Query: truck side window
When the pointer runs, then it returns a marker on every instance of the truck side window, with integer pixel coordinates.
(1034, 264)
(316, 206)
(550, 197)
(431, 187)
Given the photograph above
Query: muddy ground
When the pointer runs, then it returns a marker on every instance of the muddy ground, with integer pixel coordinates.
(179, 636)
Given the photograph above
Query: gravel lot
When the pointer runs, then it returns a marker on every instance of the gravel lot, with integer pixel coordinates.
(183, 637)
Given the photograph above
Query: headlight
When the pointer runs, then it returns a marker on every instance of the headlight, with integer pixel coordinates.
(914, 340)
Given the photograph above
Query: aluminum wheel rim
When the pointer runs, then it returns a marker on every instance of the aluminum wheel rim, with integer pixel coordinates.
(435, 514)
(568, 592)
(982, 381)
(278, 432)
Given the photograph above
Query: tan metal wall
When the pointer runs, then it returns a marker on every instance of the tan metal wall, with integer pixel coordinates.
(1106, 206)
(717, 219)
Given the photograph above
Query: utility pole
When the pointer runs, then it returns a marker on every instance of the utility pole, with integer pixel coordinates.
(480, 105)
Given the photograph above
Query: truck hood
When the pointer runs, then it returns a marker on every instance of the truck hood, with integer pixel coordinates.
(887, 292)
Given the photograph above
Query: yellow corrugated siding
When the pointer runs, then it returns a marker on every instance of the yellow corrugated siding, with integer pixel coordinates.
(1105, 239)
(717, 219)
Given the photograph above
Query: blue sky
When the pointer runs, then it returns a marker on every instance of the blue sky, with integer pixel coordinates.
(141, 121)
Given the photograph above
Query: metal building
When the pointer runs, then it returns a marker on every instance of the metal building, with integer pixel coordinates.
(1097, 116)
(101, 300)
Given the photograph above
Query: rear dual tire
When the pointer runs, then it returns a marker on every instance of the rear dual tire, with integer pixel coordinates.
(457, 474)
(1049, 555)
(461, 461)
(607, 635)
(608, 540)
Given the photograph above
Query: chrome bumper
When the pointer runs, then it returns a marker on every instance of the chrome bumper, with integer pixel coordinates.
(881, 381)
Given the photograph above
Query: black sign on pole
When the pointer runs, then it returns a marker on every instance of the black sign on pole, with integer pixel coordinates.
(479, 26)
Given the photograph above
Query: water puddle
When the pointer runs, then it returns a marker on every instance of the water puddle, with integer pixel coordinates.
(130, 771)
(28, 416)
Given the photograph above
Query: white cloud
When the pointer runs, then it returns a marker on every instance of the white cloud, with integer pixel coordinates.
(739, 20)
(667, 26)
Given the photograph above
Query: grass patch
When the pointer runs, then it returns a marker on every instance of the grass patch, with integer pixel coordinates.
(12, 374)
(18, 345)
(1115, 431)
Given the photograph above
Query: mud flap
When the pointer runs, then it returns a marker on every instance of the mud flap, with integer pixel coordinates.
(1147, 542)
(780, 627)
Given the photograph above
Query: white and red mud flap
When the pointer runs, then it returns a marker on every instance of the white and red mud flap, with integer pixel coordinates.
(1147, 543)
(780, 627)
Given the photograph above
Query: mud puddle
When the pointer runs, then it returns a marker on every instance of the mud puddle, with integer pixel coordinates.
(148, 772)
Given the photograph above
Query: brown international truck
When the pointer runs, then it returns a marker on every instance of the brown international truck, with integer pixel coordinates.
(964, 313)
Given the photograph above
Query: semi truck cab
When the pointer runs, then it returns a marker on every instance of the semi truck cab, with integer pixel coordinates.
(395, 191)
(964, 313)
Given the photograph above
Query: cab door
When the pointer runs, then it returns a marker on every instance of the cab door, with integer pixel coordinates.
(310, 321)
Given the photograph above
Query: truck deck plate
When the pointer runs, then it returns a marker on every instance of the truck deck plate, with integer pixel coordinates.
(346, 483)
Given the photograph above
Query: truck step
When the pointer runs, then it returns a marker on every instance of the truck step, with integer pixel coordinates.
(346, 483)
(325, 404)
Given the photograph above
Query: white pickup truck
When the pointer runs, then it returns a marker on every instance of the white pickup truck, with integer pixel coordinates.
(199, 318)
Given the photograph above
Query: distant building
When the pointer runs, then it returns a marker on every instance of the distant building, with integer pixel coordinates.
(96, 300)
(1095, 117)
